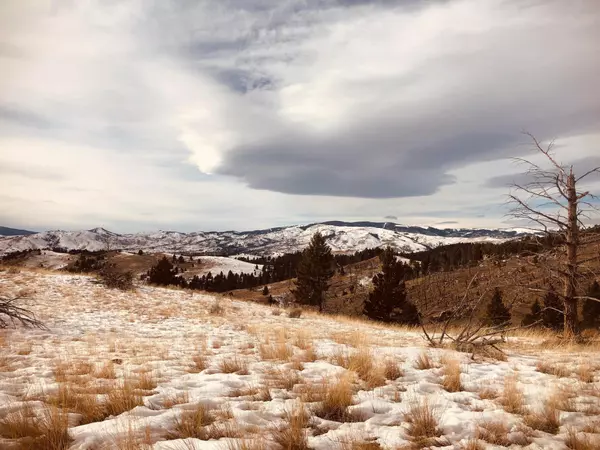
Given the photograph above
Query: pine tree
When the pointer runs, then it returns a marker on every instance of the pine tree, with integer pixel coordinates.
(497, 313)
(314, 271)
(552, 316)
(265, 290)
(163, 273)
(388, 301)
(591, 308)
(535, 315)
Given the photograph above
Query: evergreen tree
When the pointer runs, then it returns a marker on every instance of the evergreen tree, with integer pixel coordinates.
(314, 271)
(497, 313)
(388, 301)
(163, 273)
(265, 290)
(552, 316)
(591, 309)
(535, 315)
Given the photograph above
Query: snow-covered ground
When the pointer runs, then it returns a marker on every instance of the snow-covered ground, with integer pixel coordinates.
(216, 264)
(174, 348)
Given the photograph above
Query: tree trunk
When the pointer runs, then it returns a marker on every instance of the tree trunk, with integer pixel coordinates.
(572, 237)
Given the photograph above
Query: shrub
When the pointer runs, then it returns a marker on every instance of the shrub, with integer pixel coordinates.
(295, 313)
(113, 278)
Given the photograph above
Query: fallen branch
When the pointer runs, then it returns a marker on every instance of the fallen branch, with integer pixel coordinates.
(11, 314)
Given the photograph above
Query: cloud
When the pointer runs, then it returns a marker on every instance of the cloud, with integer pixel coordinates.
(394, 99)
(250, 113)
(391, 217)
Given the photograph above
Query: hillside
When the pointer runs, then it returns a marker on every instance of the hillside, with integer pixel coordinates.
(515, 276)
(6, 231)
(164, 369)
(341, 236)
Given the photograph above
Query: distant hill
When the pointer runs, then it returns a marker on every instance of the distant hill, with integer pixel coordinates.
(343, 237)
(5, 231)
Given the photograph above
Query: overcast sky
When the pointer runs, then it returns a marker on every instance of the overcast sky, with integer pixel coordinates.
(139, 115)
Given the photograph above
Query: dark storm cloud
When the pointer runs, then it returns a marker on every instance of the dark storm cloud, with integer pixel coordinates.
(392, 147)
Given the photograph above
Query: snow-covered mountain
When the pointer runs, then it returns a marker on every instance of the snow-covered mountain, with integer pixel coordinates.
(341, 236)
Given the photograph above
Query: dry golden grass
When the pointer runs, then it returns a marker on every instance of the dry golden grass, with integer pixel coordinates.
(337, 397)
(552, 368)
(233, 364)
(473, 444)
(580, 441)
(178, 398)
(494, 432)
(547, 419)
(303, 340)
(282, 378)
(279, 351)
(47, 430)
(309, 355)
(423, 362)
(25, 349)
(106, 371)
(193, 423)
(361, 361)
(423, 420)
(123, 397)
(353, 338)
(451, 381)
(131, 440)
(199, 363)
(256, 443)
(291, 435)
(512, 399)
(146, 381)
(585, 373)
(87, 405)
(487, 393)
(392, 370)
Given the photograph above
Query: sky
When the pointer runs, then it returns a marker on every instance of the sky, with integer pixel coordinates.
(139, 115)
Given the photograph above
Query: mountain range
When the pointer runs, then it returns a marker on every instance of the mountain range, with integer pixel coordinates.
(341, 236)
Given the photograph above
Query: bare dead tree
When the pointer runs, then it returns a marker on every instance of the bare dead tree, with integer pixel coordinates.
(553, 203)
(10, 313)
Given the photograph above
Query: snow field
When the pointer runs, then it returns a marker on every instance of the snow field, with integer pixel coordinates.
(169, 369)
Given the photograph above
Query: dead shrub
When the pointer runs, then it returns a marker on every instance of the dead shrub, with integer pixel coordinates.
(113, 278)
